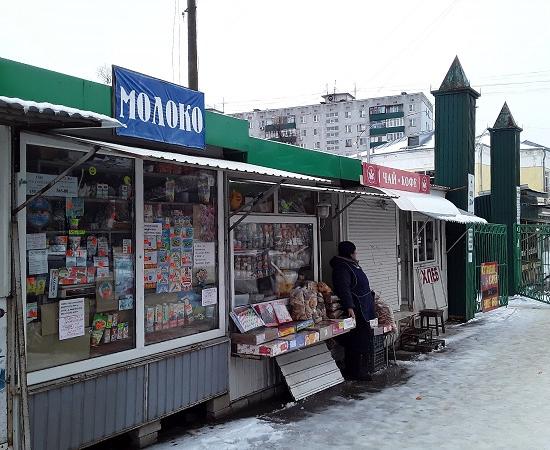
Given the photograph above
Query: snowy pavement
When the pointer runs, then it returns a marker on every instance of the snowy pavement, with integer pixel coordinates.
(490, 388)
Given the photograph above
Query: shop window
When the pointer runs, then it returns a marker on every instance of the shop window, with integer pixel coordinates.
(269, 259)
(423, 241)
(243, 193)
(296, 201)
(180, 251)
(79, 258)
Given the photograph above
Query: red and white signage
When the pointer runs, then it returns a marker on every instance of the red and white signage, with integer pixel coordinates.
(386, 177)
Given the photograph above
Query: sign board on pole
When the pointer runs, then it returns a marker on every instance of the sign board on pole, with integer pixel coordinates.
(518, 204)
(156, 110)
(489, 286)
(387, 177)
(471, 193)
(431, 288)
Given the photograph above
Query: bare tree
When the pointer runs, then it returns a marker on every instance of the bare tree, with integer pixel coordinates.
(105, 75)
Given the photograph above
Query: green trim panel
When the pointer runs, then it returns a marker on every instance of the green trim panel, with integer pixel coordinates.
(382, 131)
(288, 157)
(393, 115)
(377, 144)
(41, 85)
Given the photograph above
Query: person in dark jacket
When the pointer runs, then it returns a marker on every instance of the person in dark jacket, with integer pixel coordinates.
(351, 285)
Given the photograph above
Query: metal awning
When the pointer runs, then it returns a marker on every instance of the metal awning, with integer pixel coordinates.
(18, 112)
(199, 161)
(431, 205)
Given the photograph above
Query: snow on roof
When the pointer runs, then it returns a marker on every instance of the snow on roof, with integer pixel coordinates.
(29, 106)
(425, 140)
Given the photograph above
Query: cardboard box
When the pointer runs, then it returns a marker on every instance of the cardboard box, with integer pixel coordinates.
(350, 323)
(300, 339)
(286, 329)
(292, 343)
(255, 337)
(310, 336)
(303, 324)
(49, 317)
(47, 350)
(271, 349)
(337, 326)
(324, 329)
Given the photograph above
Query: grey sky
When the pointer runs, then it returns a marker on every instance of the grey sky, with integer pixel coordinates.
(259, 53)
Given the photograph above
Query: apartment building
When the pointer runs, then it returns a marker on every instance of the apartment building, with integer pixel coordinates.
(342, 124)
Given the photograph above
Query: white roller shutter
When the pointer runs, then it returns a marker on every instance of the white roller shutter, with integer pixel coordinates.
(373, 230)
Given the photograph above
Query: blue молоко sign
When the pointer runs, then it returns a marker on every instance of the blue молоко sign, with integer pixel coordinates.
(157, 110)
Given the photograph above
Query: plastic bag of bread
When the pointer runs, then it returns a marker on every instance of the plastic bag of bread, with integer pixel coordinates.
(323, 288)
(384, 313)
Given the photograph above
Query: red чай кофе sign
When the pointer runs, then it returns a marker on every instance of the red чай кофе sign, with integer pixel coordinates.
(386, 177)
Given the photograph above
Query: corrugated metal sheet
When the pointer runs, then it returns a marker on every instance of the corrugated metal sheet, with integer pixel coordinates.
(309, 371)
(183, 380)
(374, 232)
(81, 413)
(77, 414)
(247, 376)
(231, 166)
(18, 107)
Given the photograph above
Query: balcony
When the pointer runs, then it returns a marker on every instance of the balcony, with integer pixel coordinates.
(386, 130)
(383, 116)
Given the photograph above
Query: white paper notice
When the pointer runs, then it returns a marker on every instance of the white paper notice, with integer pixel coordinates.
(38, 261)
(209, 296)
(152, 228)
(71, 318)
(36, 241)
(204, 254)
(66, 187)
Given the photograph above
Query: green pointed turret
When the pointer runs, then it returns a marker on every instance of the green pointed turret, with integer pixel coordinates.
(505, 180)
(454, 159)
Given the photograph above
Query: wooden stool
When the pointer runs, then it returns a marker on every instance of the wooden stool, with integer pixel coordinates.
(436, 314)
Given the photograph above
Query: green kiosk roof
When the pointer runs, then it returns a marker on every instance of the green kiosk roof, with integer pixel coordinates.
(41, 85)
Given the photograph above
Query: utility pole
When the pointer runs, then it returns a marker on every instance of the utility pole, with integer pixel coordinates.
(192, 67)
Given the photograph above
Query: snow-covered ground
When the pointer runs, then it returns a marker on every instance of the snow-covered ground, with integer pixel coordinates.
(489, 389)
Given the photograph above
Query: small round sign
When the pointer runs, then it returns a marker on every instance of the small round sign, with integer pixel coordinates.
(92, 170)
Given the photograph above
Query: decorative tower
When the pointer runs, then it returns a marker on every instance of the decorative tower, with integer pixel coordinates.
(505, 180)
(454, 158)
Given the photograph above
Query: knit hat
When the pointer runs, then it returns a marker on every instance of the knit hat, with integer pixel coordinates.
(346, 249)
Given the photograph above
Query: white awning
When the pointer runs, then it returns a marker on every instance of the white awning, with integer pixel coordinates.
(213, 163)
(431, 205)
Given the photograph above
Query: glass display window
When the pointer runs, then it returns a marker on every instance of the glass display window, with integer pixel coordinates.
(180, 251)
(271, 256)
(423, 240)
(296, 201)
(79, 258)
(243, 192)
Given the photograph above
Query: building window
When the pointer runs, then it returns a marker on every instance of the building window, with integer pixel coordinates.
(303, 119)
(348, 143)
(423, 241)
(546, 180)
(249, 125)
(315, 118)
(363, 113)
(398, 122)
(317, 145)
(362, 127)
(348, 128)
(262, 123)
(411, 107)
(395, 108)
(377, 110)
(362, 141)
(378, 124)
(374, 139)
(412, 122)
(347, 114)
(304, 132)
(315, 132)
(302, 145)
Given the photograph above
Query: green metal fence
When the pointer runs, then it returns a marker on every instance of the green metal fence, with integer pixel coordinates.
(533, 256)
(486, 243)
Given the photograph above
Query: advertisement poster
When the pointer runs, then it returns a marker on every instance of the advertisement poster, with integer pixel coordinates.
(489, 286)
(71, 318)
(432, 293)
